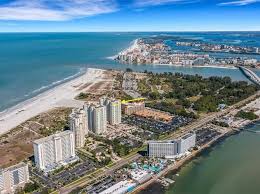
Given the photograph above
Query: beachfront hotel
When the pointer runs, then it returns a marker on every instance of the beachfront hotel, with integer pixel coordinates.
(97, 118)
(78, 124)
(186, 142)
(13, 177)
(162, 149)
(54, 151)
(171, 149)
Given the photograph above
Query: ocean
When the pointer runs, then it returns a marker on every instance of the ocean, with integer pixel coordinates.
(31, 63)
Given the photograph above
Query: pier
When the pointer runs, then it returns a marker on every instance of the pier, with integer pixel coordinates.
(250, 75)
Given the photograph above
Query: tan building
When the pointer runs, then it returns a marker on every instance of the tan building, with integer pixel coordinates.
(13, 177)
(131, 108)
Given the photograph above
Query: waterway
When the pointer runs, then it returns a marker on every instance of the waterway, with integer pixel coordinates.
(230, 167)
(31, 63)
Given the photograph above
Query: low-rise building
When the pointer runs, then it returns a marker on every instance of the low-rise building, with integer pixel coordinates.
(140, 176)
(13, 177)
(120, 187)
(131, 108)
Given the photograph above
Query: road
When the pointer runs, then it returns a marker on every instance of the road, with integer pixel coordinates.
(210, 117)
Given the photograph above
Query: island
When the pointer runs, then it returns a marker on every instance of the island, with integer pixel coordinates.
(154, 50)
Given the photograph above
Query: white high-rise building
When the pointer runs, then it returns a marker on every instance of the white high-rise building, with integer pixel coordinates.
(114, 111)
(97, 118)
(79, 126)
(186, 142)
(13, 177)
(54, 151)
(162, 149)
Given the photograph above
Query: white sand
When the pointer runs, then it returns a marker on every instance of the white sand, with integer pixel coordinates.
(60, 96)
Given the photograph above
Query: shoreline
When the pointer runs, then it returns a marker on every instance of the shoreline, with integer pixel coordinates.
(180, 164)
(31, 95)
(177, 166)
(61, 95)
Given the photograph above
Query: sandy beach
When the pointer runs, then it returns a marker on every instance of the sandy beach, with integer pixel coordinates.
(60, 96)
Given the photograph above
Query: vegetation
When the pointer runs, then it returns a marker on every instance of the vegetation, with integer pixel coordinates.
(221, 124)
(120, 149)
(30, 187)
(192, 92)
(83, 96)
(247, 115)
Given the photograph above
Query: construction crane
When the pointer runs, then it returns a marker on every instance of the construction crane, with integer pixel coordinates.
(133, 100)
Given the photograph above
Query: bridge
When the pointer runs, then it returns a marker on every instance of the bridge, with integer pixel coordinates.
(250, 75)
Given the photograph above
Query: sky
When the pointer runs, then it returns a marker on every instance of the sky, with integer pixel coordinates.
(128, 15)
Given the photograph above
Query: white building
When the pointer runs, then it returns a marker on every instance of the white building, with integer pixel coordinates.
(170, 149)
(13, 177)
(97, 118)
(162, 149)
(140, 176)
(186, 142)
(54, 151)
(120, 187)
(114, 111)
(79, 126)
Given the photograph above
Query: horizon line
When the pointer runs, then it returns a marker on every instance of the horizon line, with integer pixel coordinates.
(129, 31)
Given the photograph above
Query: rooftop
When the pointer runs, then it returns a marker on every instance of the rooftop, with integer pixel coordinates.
(43, 140)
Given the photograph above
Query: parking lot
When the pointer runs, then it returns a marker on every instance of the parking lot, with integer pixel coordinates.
(100, 186)
(205, 135)
(154, 126)
(65, 176)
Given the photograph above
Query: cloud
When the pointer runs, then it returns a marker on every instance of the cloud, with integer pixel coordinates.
(54, 10)
(144, 3)
(239, 3)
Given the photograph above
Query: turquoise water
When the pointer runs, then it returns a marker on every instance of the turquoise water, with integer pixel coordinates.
(33, 62)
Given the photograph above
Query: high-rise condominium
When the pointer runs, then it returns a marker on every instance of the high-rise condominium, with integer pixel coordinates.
(79, 126)
(13, 177)
(114, 111)
(55, 150)
(97, 118)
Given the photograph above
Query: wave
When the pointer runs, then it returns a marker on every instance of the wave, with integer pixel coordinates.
(55, 83)
(29, 96)
(111, 57)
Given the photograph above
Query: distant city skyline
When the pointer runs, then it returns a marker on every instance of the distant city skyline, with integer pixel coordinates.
(127, 16)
